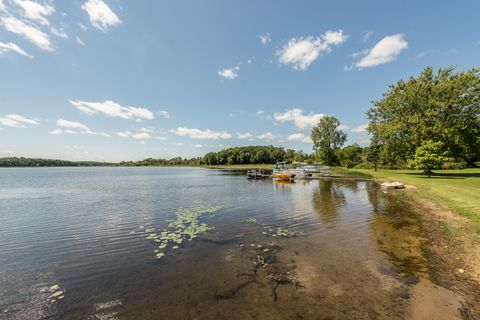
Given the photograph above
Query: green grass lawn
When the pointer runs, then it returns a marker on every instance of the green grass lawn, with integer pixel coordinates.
(458, 190)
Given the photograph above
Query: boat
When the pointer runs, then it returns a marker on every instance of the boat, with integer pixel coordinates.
(313, 169)
(392, 185)
(281, 173)
(257, 174)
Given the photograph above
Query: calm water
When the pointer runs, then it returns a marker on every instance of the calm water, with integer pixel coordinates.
(345, 250)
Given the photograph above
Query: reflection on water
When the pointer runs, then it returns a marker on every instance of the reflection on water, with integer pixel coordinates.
(73, 247)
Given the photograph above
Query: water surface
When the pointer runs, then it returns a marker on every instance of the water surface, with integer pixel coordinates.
(344, 249)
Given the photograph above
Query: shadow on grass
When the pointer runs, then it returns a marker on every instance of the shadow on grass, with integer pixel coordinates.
(348, 173)
(445, 175)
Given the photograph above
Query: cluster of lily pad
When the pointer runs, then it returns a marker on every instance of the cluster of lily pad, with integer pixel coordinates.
(185, 227)
(252, 220)
(54, 293)
(280, 232)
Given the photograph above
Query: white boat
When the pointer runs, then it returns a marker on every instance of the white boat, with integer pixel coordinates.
(298, 172)
(392, 185)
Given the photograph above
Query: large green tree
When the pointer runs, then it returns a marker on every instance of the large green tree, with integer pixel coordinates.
(327, 139)
(441, 106)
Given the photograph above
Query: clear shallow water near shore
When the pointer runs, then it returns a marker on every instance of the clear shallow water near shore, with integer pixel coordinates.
(344, 249)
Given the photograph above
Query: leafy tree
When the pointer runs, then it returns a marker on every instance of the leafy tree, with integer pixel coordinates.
(350, 156)
(327, 138)
(442, 106)
(428, 156)
(373, 152)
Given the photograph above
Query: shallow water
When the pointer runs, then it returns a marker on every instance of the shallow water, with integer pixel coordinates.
(345, 250)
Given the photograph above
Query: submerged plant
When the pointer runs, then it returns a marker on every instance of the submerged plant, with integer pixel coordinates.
(186, 226)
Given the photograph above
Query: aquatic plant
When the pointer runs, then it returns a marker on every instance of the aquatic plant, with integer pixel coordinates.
(252, 220)
(186, 226)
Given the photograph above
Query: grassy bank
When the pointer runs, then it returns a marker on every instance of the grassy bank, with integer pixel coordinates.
(459, 190)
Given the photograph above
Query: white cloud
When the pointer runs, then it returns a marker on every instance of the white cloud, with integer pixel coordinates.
(141, 135)
(79, 41)
(343, 127)
(385, 51)
(17, 121)
(301, 52)
(260, 112)
(125, 134)
(72, 125)
(164, 114)
(266, 136)
(231, 73)
(82, 26)
(113, 109)
(301, 121)
(2, 6)
(59, 33)
(245, 135)
(360, 128)
(56, 132)
(161, 138)
(10, 46)
(101, 16)
(29, 32)
(299, 137)
(265, 38)
(147, 130)
(198, 146)
(201, 134)
(35, 11)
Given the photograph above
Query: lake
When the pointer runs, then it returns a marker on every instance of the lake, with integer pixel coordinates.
(191, 243)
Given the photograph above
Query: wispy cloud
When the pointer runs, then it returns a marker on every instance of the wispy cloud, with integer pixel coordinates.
(74, 127)
(29, 32)
(17, 121)
(230, 74)
(134, 135)
(268, 136)
(164, 114)
(367, 35)
(265, 38)
(301, 121)
(201, 134)
(35, 11)
(113, 109)
(301, 52)
(360, 128)
(101, 16)
(421, 55)
(245, 135)
(385, 51)
(79, 41)
(10, 46)
(299, 137)
(59, 32)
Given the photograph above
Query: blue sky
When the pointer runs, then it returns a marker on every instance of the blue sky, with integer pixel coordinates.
(125, 80)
